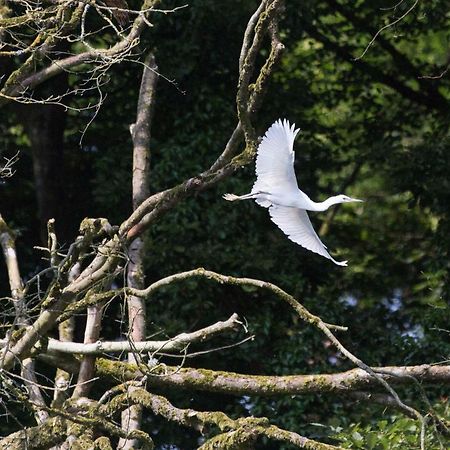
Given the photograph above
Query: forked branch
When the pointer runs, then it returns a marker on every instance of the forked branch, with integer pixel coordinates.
(234, 433)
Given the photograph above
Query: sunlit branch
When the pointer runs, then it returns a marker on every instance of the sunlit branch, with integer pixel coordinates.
(224, 279)
(237, 431)
(87, 364)
(7, 242)
(45, 435)
(6, 170)
(101, 266)
(248, 102)
(174, 344)
(141, 134)
(300, 310)
(186, 378)
(248, 55)
(23, 80)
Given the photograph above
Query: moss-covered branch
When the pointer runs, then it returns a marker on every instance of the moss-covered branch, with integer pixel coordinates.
(186, 378)
(236, 281)
(104, 263)
(239, 384)
(304, 314)
(248, 100)
(46, 435)
(234, 432)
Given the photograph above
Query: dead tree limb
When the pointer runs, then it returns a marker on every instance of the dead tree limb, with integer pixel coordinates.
(28, 373)
(140, 133)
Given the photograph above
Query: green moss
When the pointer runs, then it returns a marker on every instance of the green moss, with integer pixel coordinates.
(118, 370)
(102, 443)
(17, 334)
(234, 440)
(90, 299)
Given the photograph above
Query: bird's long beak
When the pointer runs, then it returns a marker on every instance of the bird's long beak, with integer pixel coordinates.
(356, 200)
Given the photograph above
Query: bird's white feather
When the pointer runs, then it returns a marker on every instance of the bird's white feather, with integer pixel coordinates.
(296, 225)
(275, 161)
(276, 188)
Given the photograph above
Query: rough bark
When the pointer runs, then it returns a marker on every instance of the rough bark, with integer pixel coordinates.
(241, 384)
(28, 373)
(140, 132)
(44, 125)
(87, 365)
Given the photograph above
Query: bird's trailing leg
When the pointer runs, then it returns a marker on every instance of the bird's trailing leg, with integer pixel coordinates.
(233, 197)
(252, 195)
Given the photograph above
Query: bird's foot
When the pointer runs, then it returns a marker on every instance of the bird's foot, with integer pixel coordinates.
(230, 197)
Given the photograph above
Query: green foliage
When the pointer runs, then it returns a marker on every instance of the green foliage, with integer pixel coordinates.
(394, 433)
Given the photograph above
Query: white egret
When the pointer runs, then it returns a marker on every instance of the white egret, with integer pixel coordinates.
(276, 188)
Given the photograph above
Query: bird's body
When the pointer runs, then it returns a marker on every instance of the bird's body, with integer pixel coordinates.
(276, 188)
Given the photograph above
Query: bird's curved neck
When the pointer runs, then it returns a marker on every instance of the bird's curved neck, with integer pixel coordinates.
(323, 206)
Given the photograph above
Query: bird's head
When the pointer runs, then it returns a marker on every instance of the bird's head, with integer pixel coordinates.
(345, 199)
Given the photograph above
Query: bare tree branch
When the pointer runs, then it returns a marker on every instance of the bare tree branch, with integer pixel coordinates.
(82, 277)
(45, 435)
(24, 79)
(140, 133)
(385, 27)
(247, 105)
(100, 267)
(7, 242)
(6, 170)
(87, 365)
(235, 432)
(240, 384)
(66, 331)
(109, 253)
(174, 344)
(247, 66)
(224, 279)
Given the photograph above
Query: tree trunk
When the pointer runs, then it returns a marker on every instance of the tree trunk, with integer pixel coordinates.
(45, 125)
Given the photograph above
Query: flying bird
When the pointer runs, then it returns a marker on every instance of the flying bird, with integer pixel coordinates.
(276, 188)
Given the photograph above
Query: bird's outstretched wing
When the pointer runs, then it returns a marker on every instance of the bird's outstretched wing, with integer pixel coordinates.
(296, 225)
(275, 160)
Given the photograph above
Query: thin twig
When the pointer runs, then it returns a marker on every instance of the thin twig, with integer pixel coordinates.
(384, 28)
